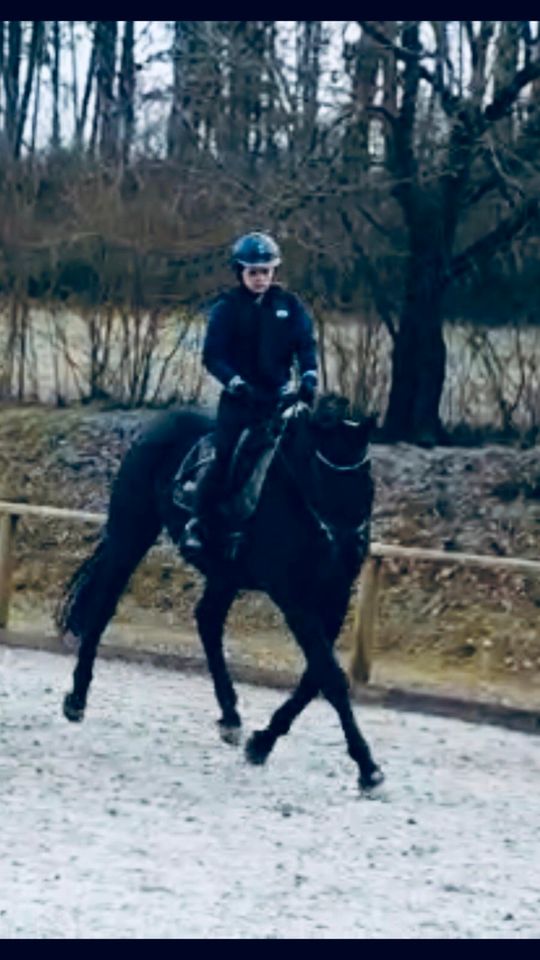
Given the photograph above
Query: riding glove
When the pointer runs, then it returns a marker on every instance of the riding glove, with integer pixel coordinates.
(240, 389)
(308, 388)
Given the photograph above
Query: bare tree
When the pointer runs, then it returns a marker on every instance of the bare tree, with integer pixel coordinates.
(90, 77)
(126, 92)
(434, 195)
(55, 72)
(181, 132)
(74, 73)
(12, 67)
(105, 42)
(33, 62)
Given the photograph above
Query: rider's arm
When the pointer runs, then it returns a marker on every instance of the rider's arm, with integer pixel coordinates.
(306, 345)
(215, 350)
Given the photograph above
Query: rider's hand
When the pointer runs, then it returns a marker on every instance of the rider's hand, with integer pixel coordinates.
(240, 389)
(287, 391)
(308, 389)
(288, 396)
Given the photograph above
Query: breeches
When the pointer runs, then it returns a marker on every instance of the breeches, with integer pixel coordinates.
(234, 416)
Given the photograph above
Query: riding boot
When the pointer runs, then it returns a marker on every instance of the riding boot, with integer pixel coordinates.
(232, 543)
(196, 541)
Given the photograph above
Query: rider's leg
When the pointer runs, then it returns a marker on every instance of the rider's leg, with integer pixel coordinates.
(232, 419)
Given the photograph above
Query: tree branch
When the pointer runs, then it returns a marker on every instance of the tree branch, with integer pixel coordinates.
(401, 52)
(383, 112)
(509, 187)
(480, 191)
(508, 95)
(449, 102)
(379, 294)
(494, 241)
(38, 30)
(469, 28)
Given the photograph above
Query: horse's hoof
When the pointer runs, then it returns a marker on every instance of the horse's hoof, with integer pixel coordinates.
(258, 748)
(230, 733)
(73, 708)
(370, 781)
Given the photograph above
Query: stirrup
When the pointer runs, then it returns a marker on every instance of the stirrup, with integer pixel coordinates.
(193, 537)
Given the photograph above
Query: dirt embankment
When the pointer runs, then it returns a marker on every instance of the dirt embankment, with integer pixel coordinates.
(437, 624)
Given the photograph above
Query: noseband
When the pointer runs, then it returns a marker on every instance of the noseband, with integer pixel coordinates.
(360, 533)
(350, 468)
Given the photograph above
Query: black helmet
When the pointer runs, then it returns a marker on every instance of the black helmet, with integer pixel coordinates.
(256, 250)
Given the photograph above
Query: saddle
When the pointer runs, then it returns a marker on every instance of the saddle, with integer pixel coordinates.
(246, 475)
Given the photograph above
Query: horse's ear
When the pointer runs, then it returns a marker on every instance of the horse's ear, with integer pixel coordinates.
(331, 409)
(368, 427)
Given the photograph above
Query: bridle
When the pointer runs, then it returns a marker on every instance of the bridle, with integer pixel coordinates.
(331, 532)
(349, 468)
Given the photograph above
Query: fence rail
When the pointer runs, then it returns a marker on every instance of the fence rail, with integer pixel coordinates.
(368, 589)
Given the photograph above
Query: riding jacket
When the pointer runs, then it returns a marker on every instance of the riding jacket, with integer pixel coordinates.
(258, 337)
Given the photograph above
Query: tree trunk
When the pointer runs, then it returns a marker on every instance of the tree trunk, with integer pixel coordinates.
(390, 82)
(364, 67)
(2, 62)
(245, 69)
(81, 120)
(504, 68)
(56, 85)
(309, 69)
(35, 109)
(419, 352)
(34, 55)
(257, 50)
(11, 79)
(179, 118)
(106, 31)
(92, 146)
(74, 73)
(126, 96)
(233, 140)
(272, 95)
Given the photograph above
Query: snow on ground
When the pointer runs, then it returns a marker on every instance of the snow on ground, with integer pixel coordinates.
(141, 823)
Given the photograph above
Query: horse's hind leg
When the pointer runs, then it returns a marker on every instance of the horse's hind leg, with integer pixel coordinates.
(95, 590)
(211, 614)
(75, 702)
(97, 598)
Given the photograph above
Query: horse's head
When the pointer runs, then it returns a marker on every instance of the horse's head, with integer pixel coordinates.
(328, 451)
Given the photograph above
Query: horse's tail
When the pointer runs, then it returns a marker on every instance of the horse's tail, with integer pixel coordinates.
(76, 608)
(91, 596)
(137, 512)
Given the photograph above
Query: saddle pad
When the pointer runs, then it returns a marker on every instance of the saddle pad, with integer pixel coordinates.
(185, 481)
(247, 473)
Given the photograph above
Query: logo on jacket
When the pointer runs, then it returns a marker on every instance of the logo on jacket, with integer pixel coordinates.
(282, 313)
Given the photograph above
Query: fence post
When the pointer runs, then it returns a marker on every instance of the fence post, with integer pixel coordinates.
(364, 620)
(8, 524)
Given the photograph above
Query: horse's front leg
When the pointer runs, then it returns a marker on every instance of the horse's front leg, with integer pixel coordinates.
(262, 742)
(211, 614)
(332, 681)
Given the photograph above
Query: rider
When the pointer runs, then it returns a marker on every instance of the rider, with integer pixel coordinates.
(255, 333)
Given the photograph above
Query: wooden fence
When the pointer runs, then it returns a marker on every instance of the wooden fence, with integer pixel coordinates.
(368, 588)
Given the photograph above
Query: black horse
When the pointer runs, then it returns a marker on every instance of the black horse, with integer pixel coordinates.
(304, 547)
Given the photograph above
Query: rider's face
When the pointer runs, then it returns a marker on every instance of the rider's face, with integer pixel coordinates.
(258, 279)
